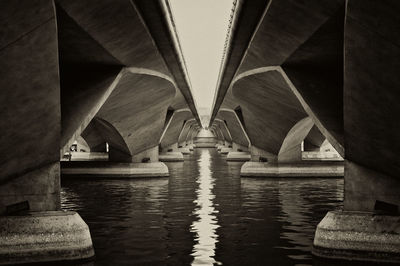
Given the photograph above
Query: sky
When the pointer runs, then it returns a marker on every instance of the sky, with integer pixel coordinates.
(202, 27)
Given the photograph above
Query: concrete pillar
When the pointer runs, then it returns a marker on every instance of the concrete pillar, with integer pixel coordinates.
(32, 226)
(368, 227)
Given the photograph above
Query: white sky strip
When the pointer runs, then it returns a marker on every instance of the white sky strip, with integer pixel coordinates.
(202, 27)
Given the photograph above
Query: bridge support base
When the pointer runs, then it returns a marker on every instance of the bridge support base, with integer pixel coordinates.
(360, 236)
(114, 170)
(236, 156)
(261, 169)
(44, 237)
(171, 157)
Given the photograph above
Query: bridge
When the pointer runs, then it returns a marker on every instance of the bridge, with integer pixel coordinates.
(306, 88)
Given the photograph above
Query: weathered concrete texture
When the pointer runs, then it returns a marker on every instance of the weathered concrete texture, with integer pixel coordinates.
(40, 187)
(171, 157)
(44, 237)
(30, 94)
(259, 169)
(238, 156)
(114, 170)
(358, 236)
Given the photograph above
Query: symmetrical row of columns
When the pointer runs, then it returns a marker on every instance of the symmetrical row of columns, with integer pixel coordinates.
(107, 71)
(308, 71)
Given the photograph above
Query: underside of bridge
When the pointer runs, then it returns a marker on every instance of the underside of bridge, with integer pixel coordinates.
(297, 79)
(110, 72)
(296, 75)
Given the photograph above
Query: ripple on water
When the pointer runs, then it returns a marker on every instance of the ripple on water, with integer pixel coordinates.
(203, 214)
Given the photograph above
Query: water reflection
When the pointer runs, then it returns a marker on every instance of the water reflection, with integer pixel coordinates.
(206, 225)
(203, 214)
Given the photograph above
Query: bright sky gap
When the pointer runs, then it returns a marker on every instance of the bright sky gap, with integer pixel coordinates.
(202, 27)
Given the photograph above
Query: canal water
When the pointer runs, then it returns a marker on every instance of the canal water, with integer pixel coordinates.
(203, 214)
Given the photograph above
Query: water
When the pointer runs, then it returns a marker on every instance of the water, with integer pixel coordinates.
(203, 214)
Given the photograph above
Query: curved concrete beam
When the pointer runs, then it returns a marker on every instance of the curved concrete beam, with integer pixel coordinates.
(281, 40)
(235, 127)
(244, 19)
(175, 127)
(286, 97)
(161, 25)
(224, 129)
(138, 99)
(100, 131)
(270, 109)
(185, 131)
(290, 150)
(218, 132)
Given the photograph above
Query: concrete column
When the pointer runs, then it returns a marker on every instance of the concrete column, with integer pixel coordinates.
(368, 227)
(33, 229)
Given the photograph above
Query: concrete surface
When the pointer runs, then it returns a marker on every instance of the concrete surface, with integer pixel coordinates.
(40, 187)
(361, 236)
(44, 237)
(259, 169)
(88, 156)
(171, 157)
(238, 156)
(114, 170)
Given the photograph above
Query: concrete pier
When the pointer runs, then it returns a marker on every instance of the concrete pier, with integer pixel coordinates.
(114, 170)
(44, 237)
(171, 157)
(363, 236)
(235, 156)
(260, 169)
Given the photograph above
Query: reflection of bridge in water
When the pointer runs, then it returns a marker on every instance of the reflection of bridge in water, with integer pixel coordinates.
(302, 87)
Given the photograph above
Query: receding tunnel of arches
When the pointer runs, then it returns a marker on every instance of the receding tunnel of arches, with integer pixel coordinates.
(184, 140)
